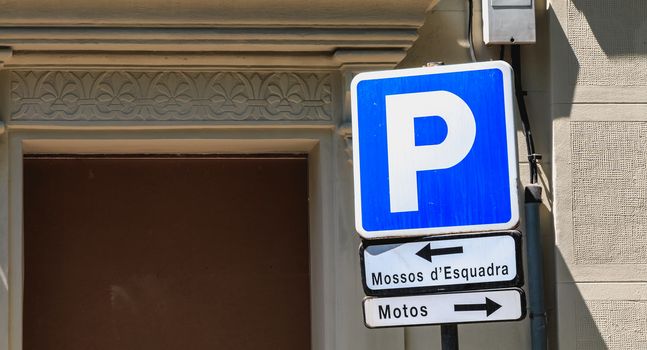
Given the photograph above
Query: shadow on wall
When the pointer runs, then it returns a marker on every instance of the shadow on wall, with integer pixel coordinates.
(603, 43)
(565, 64)
(579, 329)
(619, 27)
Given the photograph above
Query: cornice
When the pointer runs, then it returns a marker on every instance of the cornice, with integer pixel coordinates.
(211, 13)
(112, 34)
(200, 61)
(220, 39)
(202, 48)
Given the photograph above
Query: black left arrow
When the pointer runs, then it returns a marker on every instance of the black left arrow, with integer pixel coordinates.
(489, 307)
(427, 253)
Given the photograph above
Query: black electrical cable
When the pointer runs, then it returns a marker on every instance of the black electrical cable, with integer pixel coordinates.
(530, 143)
(470, 36)
(501, 52)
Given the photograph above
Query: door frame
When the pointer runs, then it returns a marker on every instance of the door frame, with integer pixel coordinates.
(318, 142)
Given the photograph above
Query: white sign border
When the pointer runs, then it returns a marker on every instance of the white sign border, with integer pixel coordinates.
(506, 70)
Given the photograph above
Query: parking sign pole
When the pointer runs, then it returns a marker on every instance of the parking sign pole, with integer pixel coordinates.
(416, 154)
(449, 336)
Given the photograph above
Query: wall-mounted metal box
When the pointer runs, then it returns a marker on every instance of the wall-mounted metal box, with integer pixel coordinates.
(509, 22)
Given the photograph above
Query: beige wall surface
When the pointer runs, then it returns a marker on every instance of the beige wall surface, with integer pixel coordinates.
(599, 62)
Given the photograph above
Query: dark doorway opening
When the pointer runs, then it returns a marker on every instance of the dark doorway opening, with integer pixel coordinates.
(166, 252)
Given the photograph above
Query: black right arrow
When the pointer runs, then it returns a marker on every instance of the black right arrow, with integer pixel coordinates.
(489, 307)
(426, 252)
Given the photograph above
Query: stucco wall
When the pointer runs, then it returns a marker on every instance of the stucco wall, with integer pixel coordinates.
(599, 80)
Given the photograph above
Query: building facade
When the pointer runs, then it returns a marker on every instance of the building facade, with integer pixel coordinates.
(111, 90)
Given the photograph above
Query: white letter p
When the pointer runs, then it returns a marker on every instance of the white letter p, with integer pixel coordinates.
(405, 158)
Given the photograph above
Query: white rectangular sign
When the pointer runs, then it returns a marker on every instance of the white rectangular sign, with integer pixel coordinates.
(431, 309)
(442, 263)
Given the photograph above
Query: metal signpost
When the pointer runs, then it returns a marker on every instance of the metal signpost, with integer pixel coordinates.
(434, 153)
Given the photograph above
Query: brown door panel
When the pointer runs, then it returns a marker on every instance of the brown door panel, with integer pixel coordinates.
(166, 253)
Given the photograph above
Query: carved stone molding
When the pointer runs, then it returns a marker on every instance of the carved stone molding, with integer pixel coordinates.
(171, 96)
(346, 132)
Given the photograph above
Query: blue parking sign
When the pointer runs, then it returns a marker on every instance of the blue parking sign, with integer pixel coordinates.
(434, 150)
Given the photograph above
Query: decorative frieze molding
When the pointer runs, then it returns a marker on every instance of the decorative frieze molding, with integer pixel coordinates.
(171, 96)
